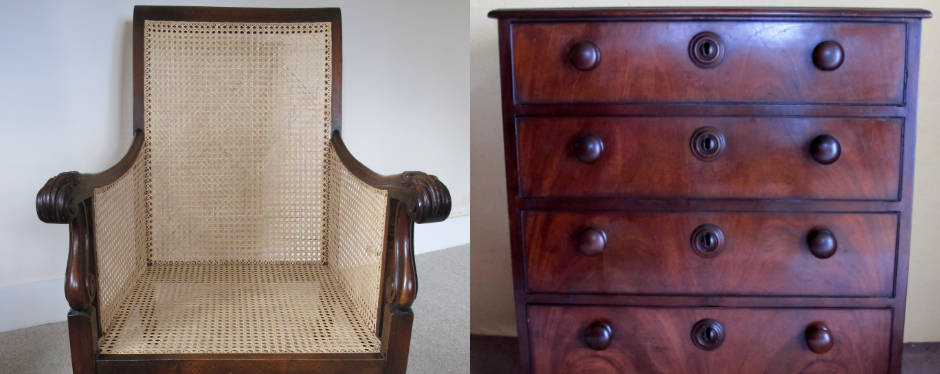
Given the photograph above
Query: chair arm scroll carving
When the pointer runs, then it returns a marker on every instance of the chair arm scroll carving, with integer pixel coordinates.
(55, 203)
(430, 201)
(426, 198)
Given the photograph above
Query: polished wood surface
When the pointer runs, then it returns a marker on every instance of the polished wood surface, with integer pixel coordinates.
(760, 62)
(819, 337)
(685, 13)
(817, 82)
(661, 340)
(499, 355)
(759, 158)
(760, 254)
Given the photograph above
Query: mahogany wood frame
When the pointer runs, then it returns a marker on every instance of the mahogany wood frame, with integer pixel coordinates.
(412, 197)
(513, 109)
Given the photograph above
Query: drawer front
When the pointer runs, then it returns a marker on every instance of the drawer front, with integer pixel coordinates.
(768, 61)
(660, 340)
(750, 254)
(711, 157)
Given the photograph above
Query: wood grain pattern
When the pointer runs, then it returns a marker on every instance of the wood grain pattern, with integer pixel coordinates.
(762, 158)
(766, 84)
(762, 254)
(657, 340)
(761, 62)
(83, 340)
(678, 13)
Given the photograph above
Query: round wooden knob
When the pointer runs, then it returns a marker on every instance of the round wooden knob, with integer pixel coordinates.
(706, 50)
(584, 55)
(708, 334)
(819, 338)
(828, 55)
(592, 241)
(825, 149)
(587, 147)
(707, 143)
(597, 336)
(822, 242)
(707, 240)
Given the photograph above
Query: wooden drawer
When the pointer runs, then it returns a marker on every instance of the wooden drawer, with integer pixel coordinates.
(754, 254)
(751, 157)
(660, 340)
(759, 61)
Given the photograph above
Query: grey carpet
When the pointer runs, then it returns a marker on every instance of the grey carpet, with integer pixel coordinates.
(439, 339)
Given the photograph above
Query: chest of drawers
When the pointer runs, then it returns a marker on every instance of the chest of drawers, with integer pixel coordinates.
(709, 190)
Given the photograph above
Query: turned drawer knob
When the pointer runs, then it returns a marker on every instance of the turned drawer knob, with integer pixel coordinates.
(587, 147)
(708, 334)
(584, 55)
(822, 242)
(707, 240)
(828, 55)
(592, 241)
(819, 338)
(707, 143)
(825, 149)
(706, 50)
(597, 336)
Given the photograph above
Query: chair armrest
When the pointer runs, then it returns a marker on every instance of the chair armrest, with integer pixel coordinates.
(66, 198)
(413, 197)
(58, 200)
(425, 197)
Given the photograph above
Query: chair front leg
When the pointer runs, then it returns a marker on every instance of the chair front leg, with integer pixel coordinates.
(56, 203)
(401, 288)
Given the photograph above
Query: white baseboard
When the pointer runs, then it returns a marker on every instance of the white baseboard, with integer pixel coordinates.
(35, 303)
(442, 235)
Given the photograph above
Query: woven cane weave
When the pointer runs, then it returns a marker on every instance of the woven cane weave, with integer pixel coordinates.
(238, 230)
(237, 116)
(356, 239)
(238, 308)
(120, 238)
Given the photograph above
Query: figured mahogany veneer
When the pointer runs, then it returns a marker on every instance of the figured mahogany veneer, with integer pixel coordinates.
(662, 340)
(760, 254)
(709, 190)
(756, 157)
(769, 61)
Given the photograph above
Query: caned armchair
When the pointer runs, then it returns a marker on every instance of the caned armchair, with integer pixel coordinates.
(239, 234)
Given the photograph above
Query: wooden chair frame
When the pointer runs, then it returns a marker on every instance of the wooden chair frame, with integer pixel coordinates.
(412, 197)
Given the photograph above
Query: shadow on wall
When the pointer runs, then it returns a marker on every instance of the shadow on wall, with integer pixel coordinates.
(491, 297)
(122, 118)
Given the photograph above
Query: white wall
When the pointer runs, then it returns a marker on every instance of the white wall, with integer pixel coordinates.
(491, 301)
(65, 89)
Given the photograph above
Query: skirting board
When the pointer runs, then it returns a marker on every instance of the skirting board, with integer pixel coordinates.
(450, 233)
(35, 303)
